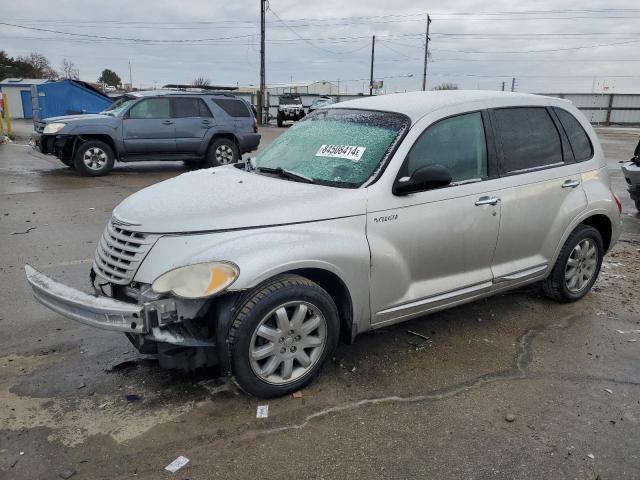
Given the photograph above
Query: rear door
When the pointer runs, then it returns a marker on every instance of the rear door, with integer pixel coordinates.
(148, 128)
(192, 121)
(540, 191)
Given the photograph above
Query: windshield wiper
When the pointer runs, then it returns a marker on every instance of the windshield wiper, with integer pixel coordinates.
(286, 173)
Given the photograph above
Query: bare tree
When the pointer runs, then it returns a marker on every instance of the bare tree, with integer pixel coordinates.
(38, 66)
(446, 86)
(201, 82)
(69, 69)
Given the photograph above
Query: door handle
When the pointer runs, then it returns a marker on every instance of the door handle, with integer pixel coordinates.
(570, 183)
(167, 122)
(487, 201)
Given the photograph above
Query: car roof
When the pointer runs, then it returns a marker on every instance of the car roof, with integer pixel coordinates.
(418, 104)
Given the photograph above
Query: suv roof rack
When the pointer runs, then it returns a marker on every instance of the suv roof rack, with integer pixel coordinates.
(200, 87)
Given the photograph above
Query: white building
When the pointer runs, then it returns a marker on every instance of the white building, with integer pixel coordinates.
(18, 91)
(320, 87)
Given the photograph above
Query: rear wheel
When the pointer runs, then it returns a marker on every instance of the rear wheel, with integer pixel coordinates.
(222, 152)
(577, 267)
(282, 335)
(94, 158)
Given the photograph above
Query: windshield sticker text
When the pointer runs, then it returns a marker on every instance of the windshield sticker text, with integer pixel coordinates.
(348, 152)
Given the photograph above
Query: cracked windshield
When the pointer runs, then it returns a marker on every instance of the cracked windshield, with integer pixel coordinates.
(337, 146)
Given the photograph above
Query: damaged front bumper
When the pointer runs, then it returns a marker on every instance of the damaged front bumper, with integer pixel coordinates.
(97, 311)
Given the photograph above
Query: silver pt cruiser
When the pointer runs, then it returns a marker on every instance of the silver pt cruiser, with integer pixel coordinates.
(366, 213)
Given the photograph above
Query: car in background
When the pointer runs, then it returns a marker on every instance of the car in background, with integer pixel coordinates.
(320, 102)
(290, 108)
(202, 129)
(364, 214)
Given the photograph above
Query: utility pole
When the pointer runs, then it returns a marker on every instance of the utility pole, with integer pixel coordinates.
(513, 84)
(130, 79)
(426, 55)
(262, 114)
(503, 86)
(373, 51)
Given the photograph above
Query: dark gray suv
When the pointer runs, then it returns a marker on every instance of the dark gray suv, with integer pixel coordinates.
(201, 129)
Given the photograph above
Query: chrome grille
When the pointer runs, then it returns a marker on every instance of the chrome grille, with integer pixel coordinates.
(120, 252)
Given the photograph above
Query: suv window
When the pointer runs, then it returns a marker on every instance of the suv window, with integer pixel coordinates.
(457, 143)
(190, 107)
(151, 108)
(529, 138)
(233, 108)
(578, 138)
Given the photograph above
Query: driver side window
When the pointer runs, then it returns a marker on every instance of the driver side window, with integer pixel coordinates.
(457, 143)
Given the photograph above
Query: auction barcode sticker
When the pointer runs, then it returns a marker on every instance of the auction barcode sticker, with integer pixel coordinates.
(348, 152)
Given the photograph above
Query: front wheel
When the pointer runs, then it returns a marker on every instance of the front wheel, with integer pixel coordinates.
(94, 158)
(577, 267)
(282, 335)
(638, 205)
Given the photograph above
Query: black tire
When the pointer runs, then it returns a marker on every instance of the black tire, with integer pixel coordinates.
(255, 307)
(638, 205)
(279, 120)
(105, 163)
(555, 285)
(219, 148)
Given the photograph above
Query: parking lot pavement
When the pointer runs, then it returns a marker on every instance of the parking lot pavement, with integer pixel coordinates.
(513, 386)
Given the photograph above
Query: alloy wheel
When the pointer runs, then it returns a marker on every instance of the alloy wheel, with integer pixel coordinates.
(288, 343)
(95, 158)
(581, 265)
(224, 154)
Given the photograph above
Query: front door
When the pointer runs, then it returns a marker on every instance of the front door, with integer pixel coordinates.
(148, 127)
(435, 247)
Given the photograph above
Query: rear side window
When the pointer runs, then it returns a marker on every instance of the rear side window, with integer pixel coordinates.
(457, 143)
(151, 108)
(233, 108)
(578, 138)
(190, 107)
(529, 138)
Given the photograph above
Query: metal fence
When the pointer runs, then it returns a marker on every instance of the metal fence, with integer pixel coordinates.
(606, 108)
(599, 108)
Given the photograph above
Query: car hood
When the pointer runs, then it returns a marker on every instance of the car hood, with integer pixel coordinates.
(73, 118)
(227, 198)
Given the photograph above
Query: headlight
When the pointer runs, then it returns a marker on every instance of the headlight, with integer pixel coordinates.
(197, 281)
(53, 128)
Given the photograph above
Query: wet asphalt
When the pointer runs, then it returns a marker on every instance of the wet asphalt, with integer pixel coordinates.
(514, 386)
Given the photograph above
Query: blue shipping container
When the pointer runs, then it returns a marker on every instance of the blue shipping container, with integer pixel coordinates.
(66, 97)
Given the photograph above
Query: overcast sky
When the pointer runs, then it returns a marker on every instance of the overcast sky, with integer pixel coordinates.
(573, 46)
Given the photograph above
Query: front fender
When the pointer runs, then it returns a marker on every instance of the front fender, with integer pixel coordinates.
(338, 246)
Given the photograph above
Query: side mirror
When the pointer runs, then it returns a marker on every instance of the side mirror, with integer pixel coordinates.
(424, 178)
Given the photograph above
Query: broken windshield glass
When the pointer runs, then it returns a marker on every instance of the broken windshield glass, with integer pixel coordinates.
(340, 147)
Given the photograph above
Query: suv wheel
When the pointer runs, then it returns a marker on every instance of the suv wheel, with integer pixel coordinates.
(222, 152)
(282, 335)
(577, 267)
(94, 158)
